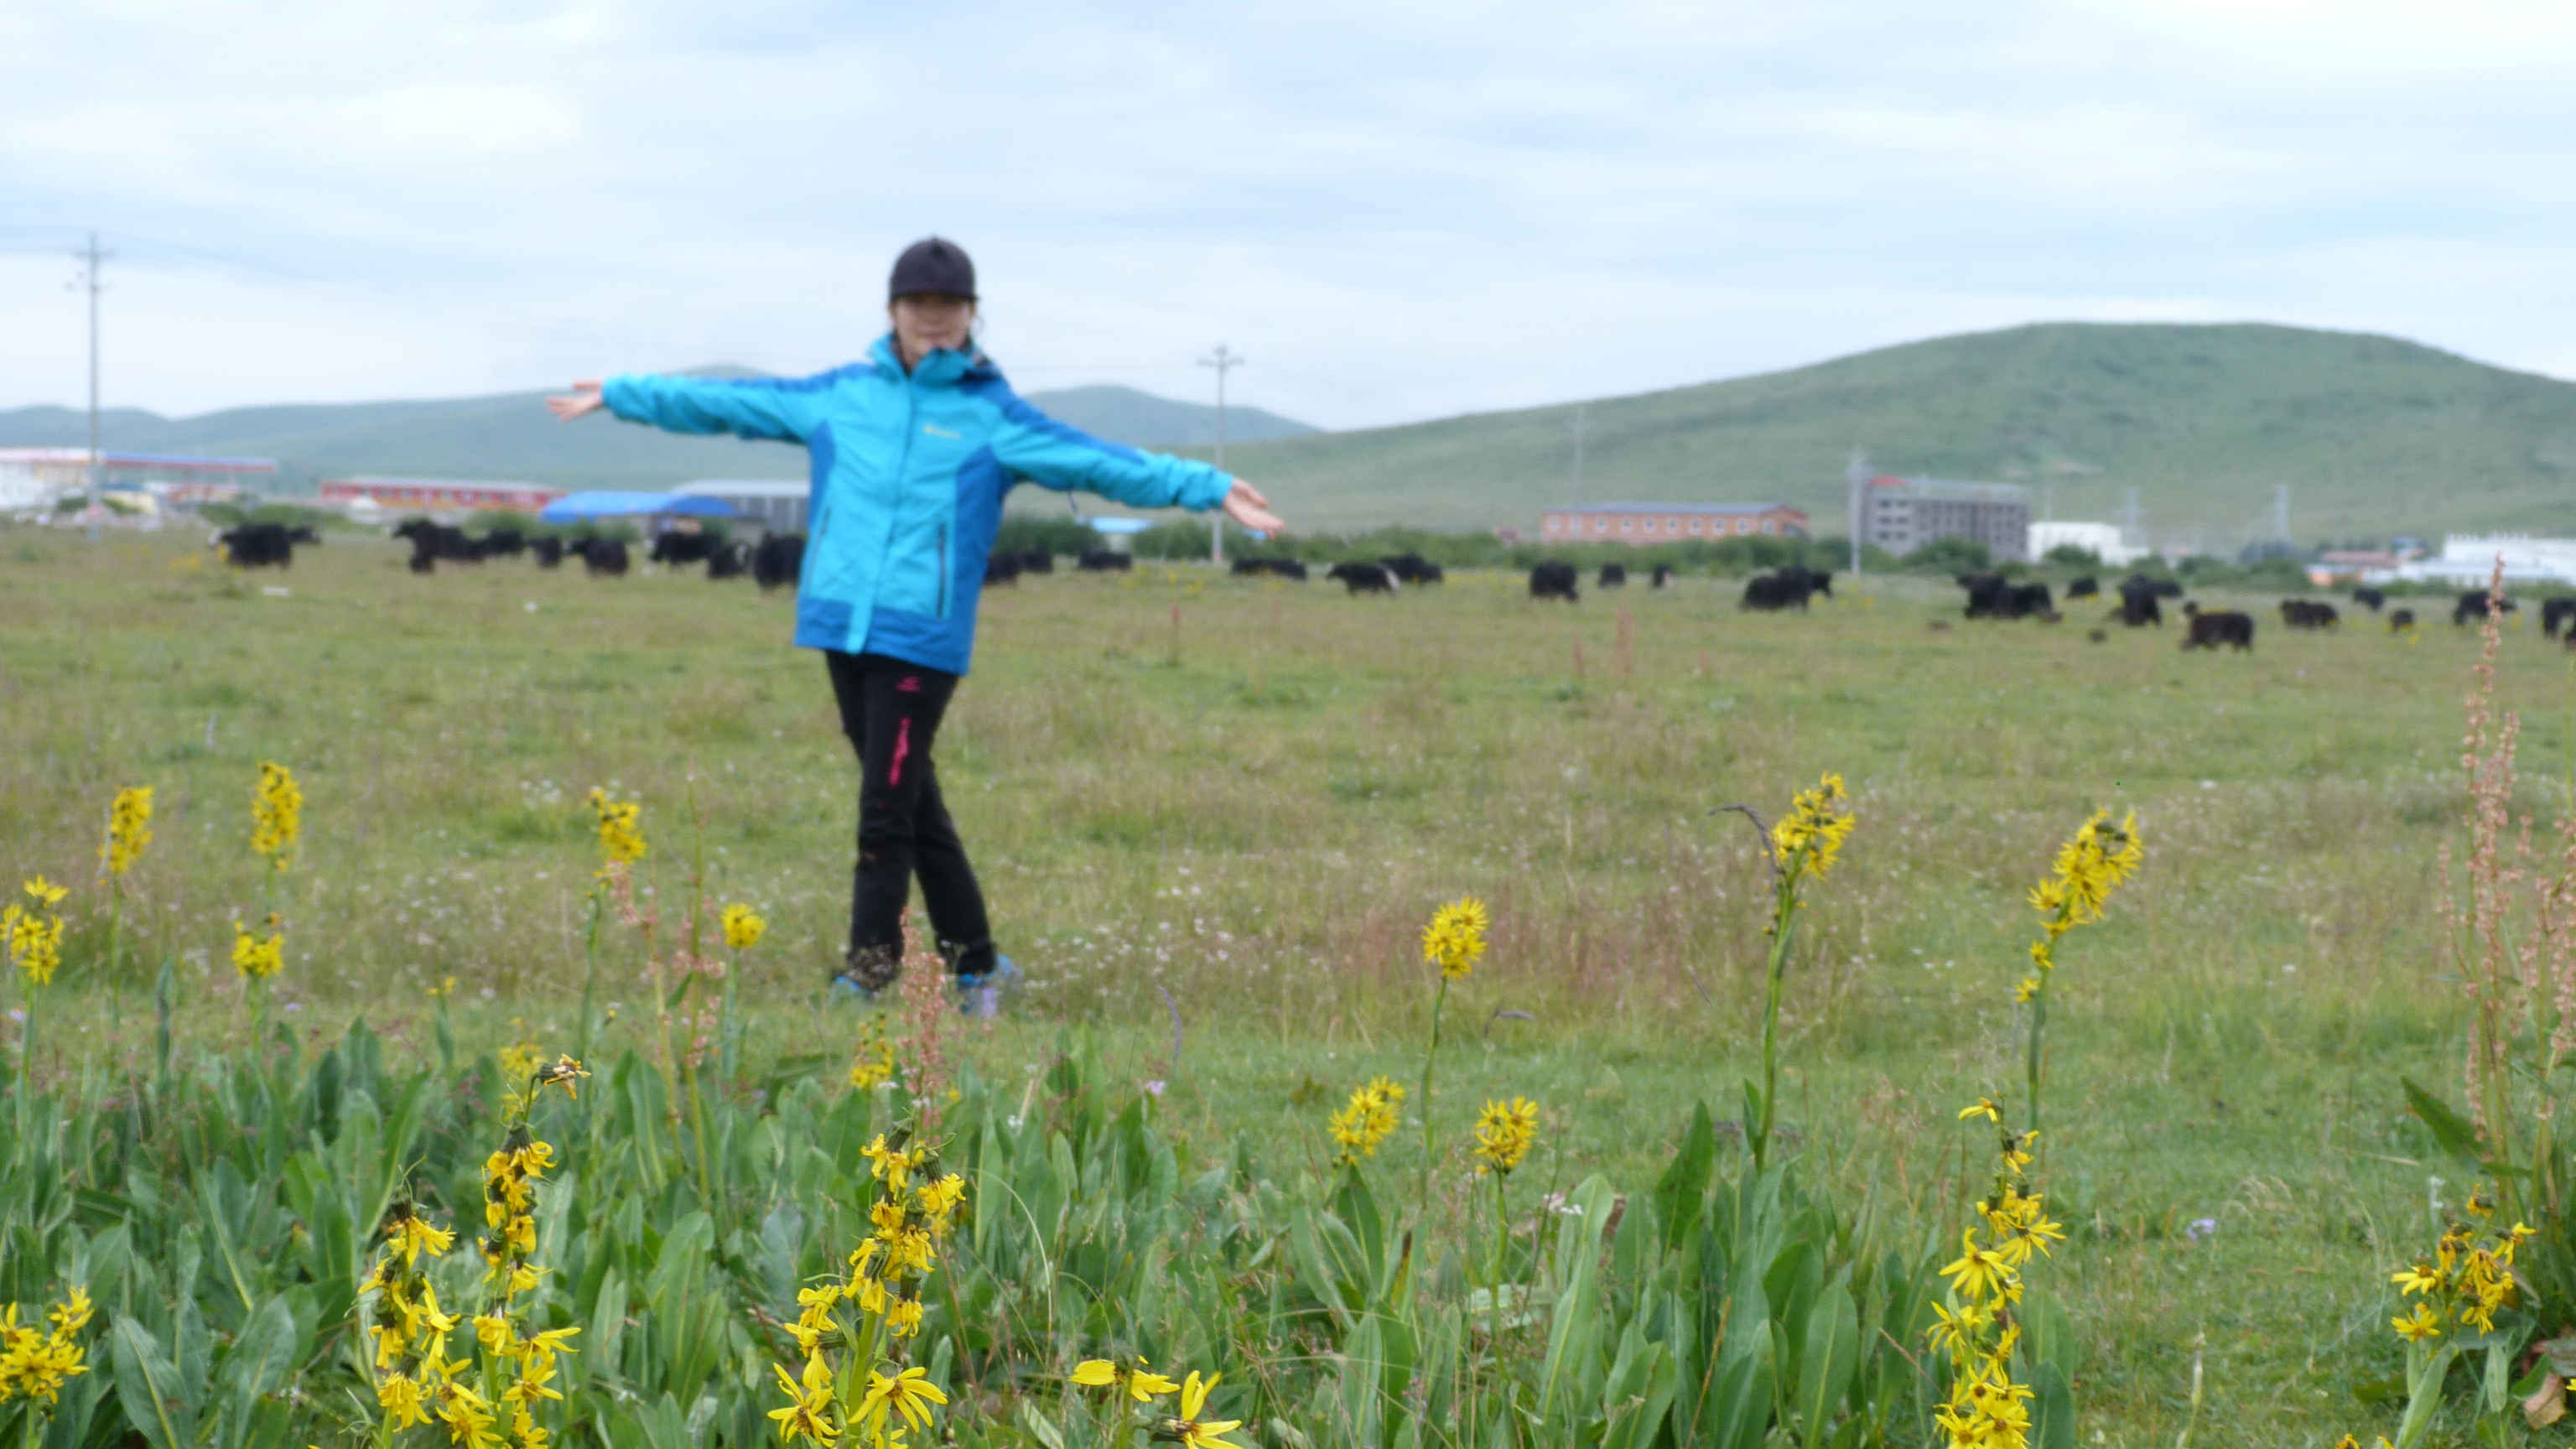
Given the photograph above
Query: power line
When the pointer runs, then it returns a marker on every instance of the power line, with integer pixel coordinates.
(1582, 420)
(1224, 360)
(89, 281)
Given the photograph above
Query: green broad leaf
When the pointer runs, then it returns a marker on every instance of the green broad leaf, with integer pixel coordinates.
(1039, 1426)
(1825, 1368)
(2052, 1410)
(2380, 1391)
(2452, 1132)
(147, 1385)
(1681, 1195)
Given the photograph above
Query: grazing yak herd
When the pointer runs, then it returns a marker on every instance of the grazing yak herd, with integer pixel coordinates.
(776, 560)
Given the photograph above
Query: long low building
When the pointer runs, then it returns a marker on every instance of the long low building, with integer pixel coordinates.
(776, 504)
(1645, 523)
(437, 495)
(2469, 559)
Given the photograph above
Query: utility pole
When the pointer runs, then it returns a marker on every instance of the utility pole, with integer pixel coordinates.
(2133, 532)
(90, 259)
(1856, 479)
(1224, 361)
(1582, 420)
(2281, 515)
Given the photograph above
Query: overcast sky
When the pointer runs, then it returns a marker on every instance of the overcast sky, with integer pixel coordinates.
(1394, 210)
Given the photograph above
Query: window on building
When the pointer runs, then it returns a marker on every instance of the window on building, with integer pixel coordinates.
(1627, 525)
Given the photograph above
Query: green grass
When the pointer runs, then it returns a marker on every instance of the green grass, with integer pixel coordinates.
(1257, 816)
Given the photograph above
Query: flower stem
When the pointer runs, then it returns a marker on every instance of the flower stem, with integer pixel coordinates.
(1428, 1059)
(1783, 914)
(590, 977)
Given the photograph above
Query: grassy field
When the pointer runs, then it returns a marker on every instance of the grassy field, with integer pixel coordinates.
(1213, 815)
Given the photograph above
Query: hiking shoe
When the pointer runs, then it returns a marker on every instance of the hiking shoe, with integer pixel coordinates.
(981, 995)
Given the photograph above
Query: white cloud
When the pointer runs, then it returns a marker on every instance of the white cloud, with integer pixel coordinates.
(1395, 211)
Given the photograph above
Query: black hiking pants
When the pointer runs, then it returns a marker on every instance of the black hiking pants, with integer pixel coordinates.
(891, 711)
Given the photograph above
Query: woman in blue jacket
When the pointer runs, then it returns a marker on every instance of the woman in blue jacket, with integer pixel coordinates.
(912, 452)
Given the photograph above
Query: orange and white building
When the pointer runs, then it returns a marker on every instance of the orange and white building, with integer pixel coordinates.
(1645, 523)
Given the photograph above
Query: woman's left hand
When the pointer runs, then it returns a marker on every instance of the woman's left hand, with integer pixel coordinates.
(1245, 505)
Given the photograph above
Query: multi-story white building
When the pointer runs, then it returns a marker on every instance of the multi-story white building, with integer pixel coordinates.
(1901, 515)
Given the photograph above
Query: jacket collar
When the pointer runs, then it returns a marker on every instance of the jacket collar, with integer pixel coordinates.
(942, 368)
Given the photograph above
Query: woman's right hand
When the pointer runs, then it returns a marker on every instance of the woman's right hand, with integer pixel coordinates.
(584, 398)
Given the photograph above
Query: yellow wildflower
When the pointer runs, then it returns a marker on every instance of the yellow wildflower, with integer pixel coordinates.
(1189, 1429)
(276, 814)
(742, 925)
(1811, 835)
(1455, 939)
(1505, 1132)
(1368, 1119)
(2419, 1325)
(258, 959)
(34, 933)
(129, 829)
(808, 1414)
(874, 1061)
(910, 1393)
(621, 837)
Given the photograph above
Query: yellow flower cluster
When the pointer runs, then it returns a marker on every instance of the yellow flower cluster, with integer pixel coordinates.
(1455, 939)
(743, 927)
(1136, 1381)
(873, 1063)
(916, 1207)
(259, 957)
(416, 1380)
(1369, 1118)
(1985, 1409)
(1811, 835)
(34, 932)
(510, 1179)
(2468, 1278)
(129, 829)
(2079, 883)
(276, 814)
(34, 1362)
(621, 833)
(1505, 1133)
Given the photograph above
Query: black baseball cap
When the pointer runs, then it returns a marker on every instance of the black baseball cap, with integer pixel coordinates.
(933, 264)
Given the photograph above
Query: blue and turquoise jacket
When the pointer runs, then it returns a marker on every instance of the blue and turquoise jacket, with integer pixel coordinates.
(909, 472)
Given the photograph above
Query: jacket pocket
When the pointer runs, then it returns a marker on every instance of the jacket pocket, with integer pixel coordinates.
(945, 572)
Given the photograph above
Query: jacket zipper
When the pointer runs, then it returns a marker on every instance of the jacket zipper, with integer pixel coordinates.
(943, 570)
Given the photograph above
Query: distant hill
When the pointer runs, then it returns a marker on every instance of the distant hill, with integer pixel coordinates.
(510, 436)
(2374, 436)
(1140, 419)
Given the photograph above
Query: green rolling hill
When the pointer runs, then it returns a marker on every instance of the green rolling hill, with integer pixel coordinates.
(2374, 435)
(510, 437)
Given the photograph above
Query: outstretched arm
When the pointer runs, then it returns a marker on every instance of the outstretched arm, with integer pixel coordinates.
(1037, 447)
(1245, 505)
(584, 398)
(752, 408)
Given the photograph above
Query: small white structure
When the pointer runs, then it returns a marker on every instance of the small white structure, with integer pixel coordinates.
(20, 492)
(2103, 540)
(2469, 559)
(776, 504)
